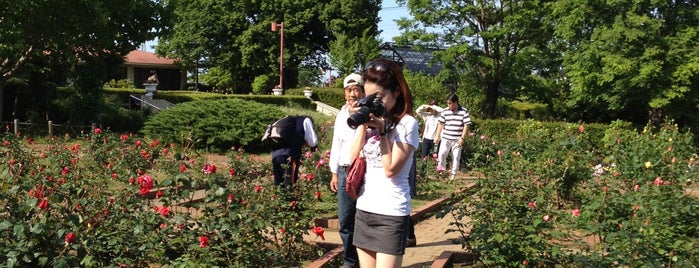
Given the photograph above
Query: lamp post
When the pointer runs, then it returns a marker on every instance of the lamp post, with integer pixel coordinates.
(281, 50)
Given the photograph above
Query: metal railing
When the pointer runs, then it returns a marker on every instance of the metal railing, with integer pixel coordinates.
(155, 105)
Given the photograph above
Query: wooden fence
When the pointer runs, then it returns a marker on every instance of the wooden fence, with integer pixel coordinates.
(50, 128)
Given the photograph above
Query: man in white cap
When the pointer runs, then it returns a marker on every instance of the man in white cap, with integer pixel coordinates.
(343, 136)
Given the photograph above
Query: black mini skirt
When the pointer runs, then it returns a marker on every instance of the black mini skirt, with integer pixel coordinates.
(381, 233)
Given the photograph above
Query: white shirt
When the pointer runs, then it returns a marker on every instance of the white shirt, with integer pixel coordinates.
(343, 136)
(379, 194)
(309, 133)
(431, 121)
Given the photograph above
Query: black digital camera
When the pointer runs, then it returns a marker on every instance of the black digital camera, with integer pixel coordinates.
(368, 105)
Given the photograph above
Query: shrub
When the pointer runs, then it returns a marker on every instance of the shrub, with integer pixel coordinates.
(334, 97)
(262, 85)
(123, 83)
(215, 124)
(552, 197)
(525, 110)
(117, 200)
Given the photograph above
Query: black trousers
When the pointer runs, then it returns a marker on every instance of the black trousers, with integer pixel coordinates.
(286, 169)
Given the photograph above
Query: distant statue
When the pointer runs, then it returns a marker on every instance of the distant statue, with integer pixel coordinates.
(151, 83)
(152, 77)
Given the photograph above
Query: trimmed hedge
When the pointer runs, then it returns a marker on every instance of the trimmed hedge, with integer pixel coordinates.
(334, 97)
(506, 129)
(180, 96)
(213, 124)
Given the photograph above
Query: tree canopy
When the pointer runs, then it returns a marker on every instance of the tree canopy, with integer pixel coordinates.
(490, 45)
(67, 31)
(630, 59)
(587, 60)
(349, 55)
(234, 38)
(63, 33)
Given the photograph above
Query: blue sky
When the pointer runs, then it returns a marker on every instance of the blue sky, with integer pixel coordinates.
(390, 11)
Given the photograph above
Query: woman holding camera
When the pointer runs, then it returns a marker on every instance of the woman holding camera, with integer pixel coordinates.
(387, 141)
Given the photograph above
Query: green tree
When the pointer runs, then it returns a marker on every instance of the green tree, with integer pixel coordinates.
(235, 36)
(631, 60)
(310, 76)
(425, 88)
(491, 45)
(64, 32)
(348, 55)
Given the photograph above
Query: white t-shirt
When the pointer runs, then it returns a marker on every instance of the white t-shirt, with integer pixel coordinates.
(343, 136)
(379, 194)
(431, 121)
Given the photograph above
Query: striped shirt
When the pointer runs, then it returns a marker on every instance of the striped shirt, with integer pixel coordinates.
(454, 123)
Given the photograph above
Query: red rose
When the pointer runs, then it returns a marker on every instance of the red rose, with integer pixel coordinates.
(318, 230)
(70, 238)
(165, 211)
(43, 204)
(203, 241)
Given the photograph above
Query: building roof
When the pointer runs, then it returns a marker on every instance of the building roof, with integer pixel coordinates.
(413, 60)
(145, 58)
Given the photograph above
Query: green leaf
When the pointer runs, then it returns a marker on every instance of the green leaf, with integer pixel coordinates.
(4, 225)
(19, 230)
(220, 191)
(138, 229)
(36, 228)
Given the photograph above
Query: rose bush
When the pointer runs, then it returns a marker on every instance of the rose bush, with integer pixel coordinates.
(558, 198)
(121, 200)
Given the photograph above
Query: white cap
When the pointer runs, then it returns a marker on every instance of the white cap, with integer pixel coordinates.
(353, 79)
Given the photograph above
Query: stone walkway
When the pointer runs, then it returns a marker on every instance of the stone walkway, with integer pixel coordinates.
(431, 241)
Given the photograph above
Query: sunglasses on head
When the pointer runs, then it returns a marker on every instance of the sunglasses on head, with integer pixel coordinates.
(378, 67)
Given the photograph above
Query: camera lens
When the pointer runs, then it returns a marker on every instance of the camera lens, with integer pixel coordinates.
(358, 118)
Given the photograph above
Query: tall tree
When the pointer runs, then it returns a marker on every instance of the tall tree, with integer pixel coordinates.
(629, 59)
(234, 38)
(491, 44)
(63, 32)
(348, 55)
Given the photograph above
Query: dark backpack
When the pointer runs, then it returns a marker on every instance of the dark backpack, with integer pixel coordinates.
(279, 134)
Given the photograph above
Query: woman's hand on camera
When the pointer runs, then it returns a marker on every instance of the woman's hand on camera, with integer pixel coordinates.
(376, 122)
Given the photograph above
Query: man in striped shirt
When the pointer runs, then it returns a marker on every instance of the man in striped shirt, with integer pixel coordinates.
(452, 130)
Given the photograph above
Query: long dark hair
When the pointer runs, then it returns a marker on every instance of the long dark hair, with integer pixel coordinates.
(388, 74)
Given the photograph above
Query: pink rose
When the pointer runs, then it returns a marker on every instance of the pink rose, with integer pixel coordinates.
(576, 212)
